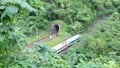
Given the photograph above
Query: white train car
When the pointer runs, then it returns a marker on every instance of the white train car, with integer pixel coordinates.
(62, 46)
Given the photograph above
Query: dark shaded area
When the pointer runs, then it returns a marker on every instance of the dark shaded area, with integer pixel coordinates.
(56, 26)
(55, 29)
(32, 14)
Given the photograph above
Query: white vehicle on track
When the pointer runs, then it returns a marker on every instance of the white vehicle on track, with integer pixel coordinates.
(67, 43)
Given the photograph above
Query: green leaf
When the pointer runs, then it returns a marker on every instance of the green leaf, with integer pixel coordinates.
(2, 7)
(10, 11)
(27, 6)
(4, 28)
(43, 9)
(11, 1)
(6, 1)
(3, 14)
(1, 38)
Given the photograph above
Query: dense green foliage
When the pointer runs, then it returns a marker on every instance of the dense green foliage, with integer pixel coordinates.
(10, 37)
(77, 14)
(99, 48)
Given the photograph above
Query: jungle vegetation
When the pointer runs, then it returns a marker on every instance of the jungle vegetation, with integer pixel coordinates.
(99, 46)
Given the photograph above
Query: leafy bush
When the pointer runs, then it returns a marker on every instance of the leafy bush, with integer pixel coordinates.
(100, 48)
(73, 28)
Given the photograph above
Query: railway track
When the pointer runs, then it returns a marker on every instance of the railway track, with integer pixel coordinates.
(89, 28)
(39, 40)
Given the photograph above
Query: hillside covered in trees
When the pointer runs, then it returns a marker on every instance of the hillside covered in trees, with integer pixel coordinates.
(22, 21)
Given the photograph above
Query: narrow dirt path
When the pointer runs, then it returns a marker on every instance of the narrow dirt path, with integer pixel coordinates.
(88, 30)
(92, 26)
(39, 40)
(98, 20)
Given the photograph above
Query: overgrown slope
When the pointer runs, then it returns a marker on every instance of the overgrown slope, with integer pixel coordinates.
(98, 48)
